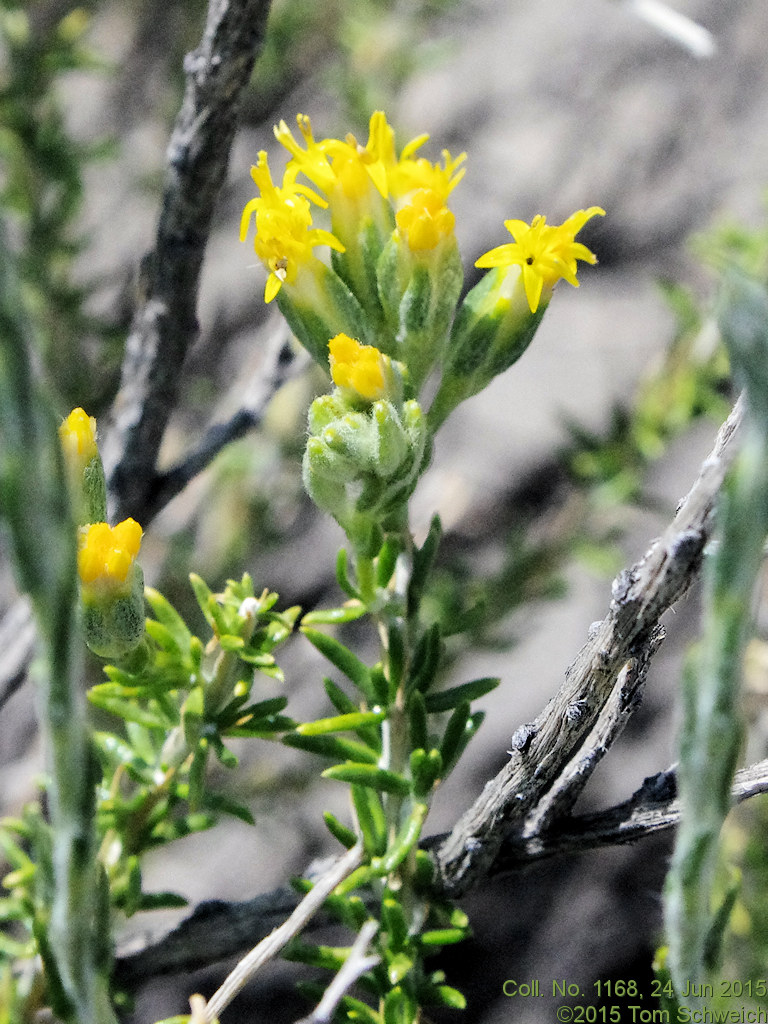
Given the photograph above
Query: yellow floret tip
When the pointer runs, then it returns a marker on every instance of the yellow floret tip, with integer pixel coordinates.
(78, 437)
(425, 221)
(358, 368)
(544, 252)
(106, 553)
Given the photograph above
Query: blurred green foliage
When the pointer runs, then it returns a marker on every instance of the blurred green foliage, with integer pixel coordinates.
(367, 51)
(42, 191)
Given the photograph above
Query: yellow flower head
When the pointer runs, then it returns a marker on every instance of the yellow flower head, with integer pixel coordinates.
(106, 555)
(355, 165)
(544, 252)
(425, 220)
(350, 167)
(358, 368)
(345, 165)
(78, 439)
(410, 175)
(285, 237)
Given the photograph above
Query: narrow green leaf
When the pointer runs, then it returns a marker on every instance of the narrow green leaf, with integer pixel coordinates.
(342, 575)
(118, 753)
(330, 958)
(398, 967)
(16, 950)
(380, 779)
(167, 831)
(395, 923)
(223, 753)
(226, 805)
(447, 996)
(426, 659)
(261, 709)
(197, 775)
(417, 717)
(349, 612)
(344, 835)
(344, 660)
(192, 714)
(476, 719)
(333, 746)
(232, 643)
(395, 657)
(262, 726)
(166, 614)
(454, 733)
(204, 598)
(458, 918)
(423, 560)
(341, 723)
(356, 1010)
(343, 704)
(128, 710)
(425, 770)
(399, 1008)
(424, 874)
(133, 894)
(161, 901)
(386, 560)
(442, 936)
(406, 838)
(380, 685)
(445, 700)
(146, 742)
(258, 658)
(16, 857)
(371, 819)
(360, 876)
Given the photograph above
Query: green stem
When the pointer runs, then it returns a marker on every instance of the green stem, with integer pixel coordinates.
(35, 504)
(712, 725)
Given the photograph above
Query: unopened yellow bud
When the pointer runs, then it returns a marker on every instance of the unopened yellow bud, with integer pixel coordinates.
(106, 555)
(425, 220)
(358, 368)
(111, 588)
(78, 438)
(85, 473)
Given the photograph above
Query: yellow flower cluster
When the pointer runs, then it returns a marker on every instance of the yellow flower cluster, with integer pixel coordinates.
(354, 180)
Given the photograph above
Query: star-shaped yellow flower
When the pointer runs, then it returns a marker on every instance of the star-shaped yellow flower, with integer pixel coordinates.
(544, 252)
(285, 237)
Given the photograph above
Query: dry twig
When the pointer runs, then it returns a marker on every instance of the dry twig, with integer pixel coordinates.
(541, 752)
(165, 324)
(269, 947)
